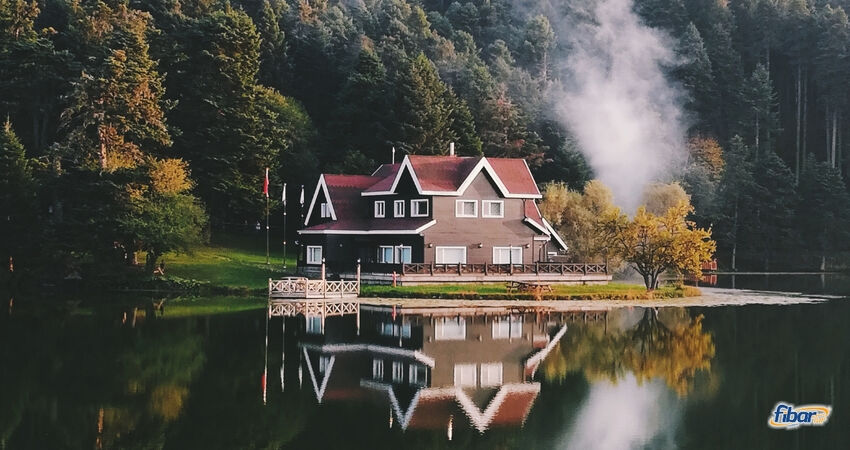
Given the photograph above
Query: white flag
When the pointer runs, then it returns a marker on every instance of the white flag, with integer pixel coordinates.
(283, 195)
(302, 195)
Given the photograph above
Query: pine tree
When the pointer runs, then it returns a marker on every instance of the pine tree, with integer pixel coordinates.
(17, 198)
(735, 192)
(824, 203)
(769, 224)
(832, 65)
(762, 116)
(696, 76)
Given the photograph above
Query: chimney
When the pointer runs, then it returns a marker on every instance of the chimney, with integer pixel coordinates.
(451, 149)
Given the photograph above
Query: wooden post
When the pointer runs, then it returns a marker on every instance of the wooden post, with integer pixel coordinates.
(458, 268)
(358, 293)
(432, 268)
(537, 268)
(324, 283)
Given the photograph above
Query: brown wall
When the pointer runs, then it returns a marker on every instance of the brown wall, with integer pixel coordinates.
(490, 232)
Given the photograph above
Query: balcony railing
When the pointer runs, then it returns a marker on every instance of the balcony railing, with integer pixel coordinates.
(546, 268)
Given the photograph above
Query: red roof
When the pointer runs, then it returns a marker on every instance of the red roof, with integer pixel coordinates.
(345, 190)
(356, 224)
(533, 213)
(448, 173)
(515, 175)
(514, 408)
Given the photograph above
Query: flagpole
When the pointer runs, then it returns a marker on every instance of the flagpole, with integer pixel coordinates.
(283, 197)
(266, 191)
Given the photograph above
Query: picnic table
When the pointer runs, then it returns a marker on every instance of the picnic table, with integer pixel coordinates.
(528, 286)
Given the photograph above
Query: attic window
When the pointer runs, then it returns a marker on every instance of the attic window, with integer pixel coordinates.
(326, 212)
(466, 208)
(380, 208)
(398, 208)
(419, 208)
(492, 208)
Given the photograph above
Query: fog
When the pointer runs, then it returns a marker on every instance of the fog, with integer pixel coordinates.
(615, 99)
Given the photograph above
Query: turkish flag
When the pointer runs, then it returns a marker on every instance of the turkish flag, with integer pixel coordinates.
(266, 183)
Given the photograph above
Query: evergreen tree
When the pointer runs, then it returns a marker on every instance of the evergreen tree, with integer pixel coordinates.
(832, 63)
(762, 117)
(824, 203)
(735, 193)
(17, 199)
(696, 76)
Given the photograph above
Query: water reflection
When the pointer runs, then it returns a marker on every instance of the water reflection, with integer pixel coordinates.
(449, 369)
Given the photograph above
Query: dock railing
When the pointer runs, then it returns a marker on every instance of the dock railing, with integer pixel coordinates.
(488, 269)
(302, 287)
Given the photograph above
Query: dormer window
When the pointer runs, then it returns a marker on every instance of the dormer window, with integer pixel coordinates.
(380, 208)
(325, 212)
(419, 208)
(398, 208)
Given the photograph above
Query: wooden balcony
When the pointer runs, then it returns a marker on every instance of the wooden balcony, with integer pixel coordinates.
(538, 268)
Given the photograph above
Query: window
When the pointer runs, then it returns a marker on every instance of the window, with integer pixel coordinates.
(388, 254)
(325, 211)
(398, 208)
(491, 374)
(398, 372)
(378, 369)
(450, 329)
(385, 254)
(380, 208)
(314, 254)
(451, 255)
(466, 208)
(419, 208)
(403, 254)
(314, 325)
(392, 329)
(507, 327)
(465, 375)
(417, 374)
(507, 255)
(492, 208)
(324, 361)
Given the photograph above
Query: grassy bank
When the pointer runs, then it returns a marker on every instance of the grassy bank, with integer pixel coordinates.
(498, 291)
(237, 262)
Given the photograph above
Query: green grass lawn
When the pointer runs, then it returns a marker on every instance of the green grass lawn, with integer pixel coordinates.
(499, 291)
(235, 261)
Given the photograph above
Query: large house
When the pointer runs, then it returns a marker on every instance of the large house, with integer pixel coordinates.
(446, 213)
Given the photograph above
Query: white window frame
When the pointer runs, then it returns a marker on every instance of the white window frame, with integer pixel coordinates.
(459, 209)
(380, 209)
(485, 208)
(325, 212)
(311, 259)
(398, 372)
(511, 259)
(313, 325)
(397, 254)
(462, 372)
(456, 329)
(442, 260)
(398, 208)
(378, 369)
(324, 361)
(414, 371)
(507, 327)
(416, 211)
(492, 374)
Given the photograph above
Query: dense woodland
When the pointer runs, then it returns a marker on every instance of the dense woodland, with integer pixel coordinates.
(144, 125)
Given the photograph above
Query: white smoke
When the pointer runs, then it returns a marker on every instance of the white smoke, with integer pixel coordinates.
(626, 415)
(623, 111)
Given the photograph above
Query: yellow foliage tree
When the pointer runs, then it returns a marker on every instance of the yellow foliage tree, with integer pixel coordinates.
(653, 243)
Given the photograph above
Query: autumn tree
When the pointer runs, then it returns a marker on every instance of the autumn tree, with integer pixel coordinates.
(653, 244)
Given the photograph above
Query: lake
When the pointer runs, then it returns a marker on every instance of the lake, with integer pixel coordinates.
(618, 378)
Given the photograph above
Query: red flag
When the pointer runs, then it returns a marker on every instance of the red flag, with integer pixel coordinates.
(266, 183)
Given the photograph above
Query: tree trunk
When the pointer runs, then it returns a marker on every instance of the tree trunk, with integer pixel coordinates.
(757, 136)
(834, 128)
(823, 262)
(102, 135)
(797, 136)
(826, 143)
(735, 237)
(805, 116)
(150, 261)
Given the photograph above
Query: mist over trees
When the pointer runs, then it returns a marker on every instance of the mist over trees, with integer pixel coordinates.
(101, 95)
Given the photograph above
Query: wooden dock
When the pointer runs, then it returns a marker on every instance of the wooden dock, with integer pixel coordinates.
(313, 298)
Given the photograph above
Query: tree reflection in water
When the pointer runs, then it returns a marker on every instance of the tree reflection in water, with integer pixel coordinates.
(664, 344)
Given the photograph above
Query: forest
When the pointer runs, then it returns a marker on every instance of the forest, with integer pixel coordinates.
(146, 125)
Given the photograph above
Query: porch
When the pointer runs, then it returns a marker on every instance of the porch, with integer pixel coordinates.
(426, 273)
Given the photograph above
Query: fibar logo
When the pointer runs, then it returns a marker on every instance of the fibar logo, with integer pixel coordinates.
(786, 416)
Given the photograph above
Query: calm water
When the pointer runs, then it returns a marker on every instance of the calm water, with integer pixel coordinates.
(624, 378)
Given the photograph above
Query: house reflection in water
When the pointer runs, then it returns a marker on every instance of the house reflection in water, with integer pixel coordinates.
(434, 368)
